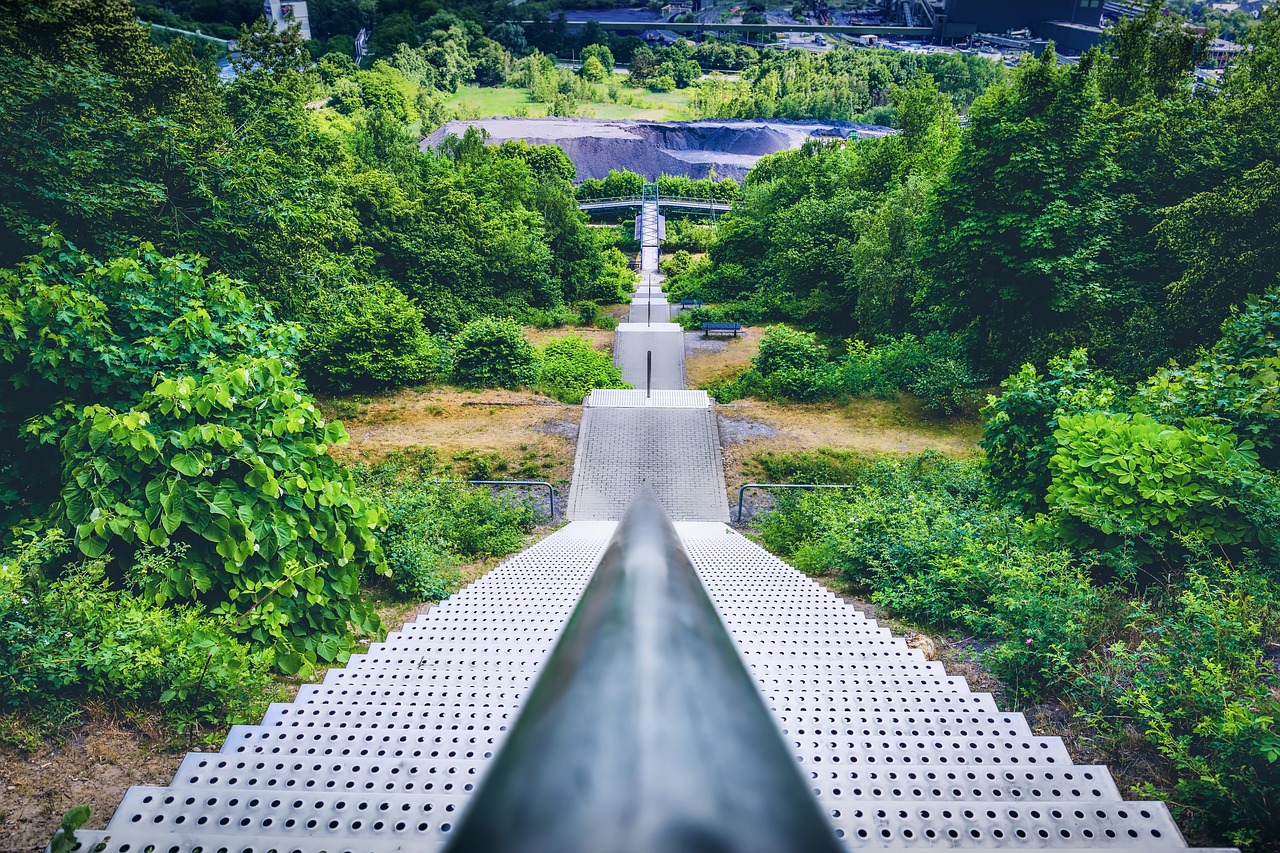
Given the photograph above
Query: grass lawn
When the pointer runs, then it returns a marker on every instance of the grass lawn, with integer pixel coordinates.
(500, 101)
(492, 102)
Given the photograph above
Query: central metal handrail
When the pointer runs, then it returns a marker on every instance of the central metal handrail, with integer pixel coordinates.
(644, 731)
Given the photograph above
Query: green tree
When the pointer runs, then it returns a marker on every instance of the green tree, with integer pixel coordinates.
(75, 331)
(1024, 217)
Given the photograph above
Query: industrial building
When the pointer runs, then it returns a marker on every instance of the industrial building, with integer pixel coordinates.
(1075, 25)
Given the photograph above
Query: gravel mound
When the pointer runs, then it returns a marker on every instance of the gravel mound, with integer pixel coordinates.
(693, 148)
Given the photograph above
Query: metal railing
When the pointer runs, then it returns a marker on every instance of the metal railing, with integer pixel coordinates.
(786, 486)
(551, 490)
(662, 201)
(644, 731)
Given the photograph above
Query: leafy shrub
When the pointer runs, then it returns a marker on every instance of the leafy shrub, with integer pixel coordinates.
(1192, 673)
(233, 465)
(369, 338)
(1019, 426)
(790, 365)
(615, 281)
(677, 264)
(687, 235)
(570, 368)
(492, 352)
(934, 369)
(1130, 475)
(433, 523)
(551, 318)
(72, 635)
(922, 538)
(76, 331)
(1237, 382)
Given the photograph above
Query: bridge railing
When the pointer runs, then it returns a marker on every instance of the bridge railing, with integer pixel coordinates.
(635, 199)
(643, 731)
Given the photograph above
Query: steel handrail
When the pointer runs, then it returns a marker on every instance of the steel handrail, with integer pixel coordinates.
(644, 731)
(787, 486)
(666, 199)
(551, 490)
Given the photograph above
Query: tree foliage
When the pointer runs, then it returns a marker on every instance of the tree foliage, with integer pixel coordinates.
(233, 466)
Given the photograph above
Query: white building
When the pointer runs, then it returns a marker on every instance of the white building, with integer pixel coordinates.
(284, 12)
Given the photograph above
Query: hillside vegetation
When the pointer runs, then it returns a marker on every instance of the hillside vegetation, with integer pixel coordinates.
(186, 262)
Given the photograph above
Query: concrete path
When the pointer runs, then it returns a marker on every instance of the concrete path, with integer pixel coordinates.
(672, 444)
(633, 343)
(649, 302)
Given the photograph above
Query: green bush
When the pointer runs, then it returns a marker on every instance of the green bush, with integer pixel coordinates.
(790, 365)
(76, 331)
(1237, 382)
(616, 280)
(234, 466)
(570, 368)
(923, 539)
(368, 338)
(68, 633)
(433, 523)
(1192, 673)
(933, 369)
(1131, 476)
(492, 352)
(677, 264)
(1019, 425)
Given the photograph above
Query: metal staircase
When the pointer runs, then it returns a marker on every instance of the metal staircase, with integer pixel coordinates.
(388, 753)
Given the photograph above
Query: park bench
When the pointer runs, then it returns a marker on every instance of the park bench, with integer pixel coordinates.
(690, 303)
(708, 328)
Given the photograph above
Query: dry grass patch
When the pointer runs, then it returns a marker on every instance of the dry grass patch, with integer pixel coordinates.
(515, 425)
(93, 766)
(869, 426)
(708, 359)
(601, 339)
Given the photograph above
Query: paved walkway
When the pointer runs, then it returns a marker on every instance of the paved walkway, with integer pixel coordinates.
(671, 444)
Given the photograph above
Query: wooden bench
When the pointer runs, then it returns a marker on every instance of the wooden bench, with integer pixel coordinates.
(708, 328)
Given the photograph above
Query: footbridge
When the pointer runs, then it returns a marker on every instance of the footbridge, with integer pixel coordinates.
(646, 679)
(691, 205)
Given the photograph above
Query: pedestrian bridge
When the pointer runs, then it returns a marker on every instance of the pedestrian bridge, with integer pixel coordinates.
(691, 205)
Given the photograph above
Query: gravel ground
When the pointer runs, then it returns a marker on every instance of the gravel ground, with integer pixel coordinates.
(738, 430)
(692, 148)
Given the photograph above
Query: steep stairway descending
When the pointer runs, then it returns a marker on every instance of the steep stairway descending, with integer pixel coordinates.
(649, 303)
(384, 754)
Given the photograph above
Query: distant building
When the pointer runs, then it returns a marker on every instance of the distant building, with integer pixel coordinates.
(1001, 16)
(1222, 51)
(283, 12)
